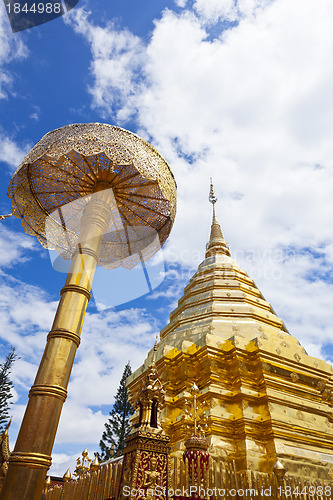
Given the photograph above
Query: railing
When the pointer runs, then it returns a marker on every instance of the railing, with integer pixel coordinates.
(100, 485)
(221, 482)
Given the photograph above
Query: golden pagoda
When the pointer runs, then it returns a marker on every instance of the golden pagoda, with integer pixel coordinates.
(266, 399)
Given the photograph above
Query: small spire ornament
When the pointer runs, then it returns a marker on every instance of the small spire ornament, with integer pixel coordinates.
(82, 464)
(279, 472)
(212, 194)
(67, 476)
(195, 415)
(94, 466)
(217, 243)
(196, 456)
(47, 484)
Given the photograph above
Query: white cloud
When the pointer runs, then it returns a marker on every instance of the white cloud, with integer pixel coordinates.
(88, 432)
(11, 47)
(14, 247)
(304, 304)
(25, 317)
(104, 351)
(212, 11)
(118, 57)
(61, 462)
(34, 116)
(181, 3)
(11, 152)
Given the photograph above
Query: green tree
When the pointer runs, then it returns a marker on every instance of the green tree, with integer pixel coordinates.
(5, 388)
(117, 427)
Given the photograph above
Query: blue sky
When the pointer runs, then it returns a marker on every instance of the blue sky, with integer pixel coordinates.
(237, 90)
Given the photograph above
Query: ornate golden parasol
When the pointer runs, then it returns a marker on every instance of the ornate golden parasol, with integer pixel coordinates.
(97, 194)
(52, 186)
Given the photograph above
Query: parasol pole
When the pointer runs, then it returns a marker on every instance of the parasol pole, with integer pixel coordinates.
(31, 458)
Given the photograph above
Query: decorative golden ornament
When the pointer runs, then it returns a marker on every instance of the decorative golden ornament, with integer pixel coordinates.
(195, 414)
(47, 484)
(94, 466)
(67, 476)
(82, 464)
(4, 452)
(279, 470)
(150, 398)
(57, 178)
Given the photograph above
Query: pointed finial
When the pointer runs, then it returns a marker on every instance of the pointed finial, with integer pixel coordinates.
(194, 388)
(217, 243)
(67, 476)
(94, 465)
(7, 427)
(212, 194)
(155, 349)
(279, 470)
(47, 484)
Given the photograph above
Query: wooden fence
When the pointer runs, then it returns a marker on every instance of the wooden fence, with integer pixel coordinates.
(221, 482)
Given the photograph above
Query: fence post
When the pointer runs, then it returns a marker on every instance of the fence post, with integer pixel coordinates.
(279, 472)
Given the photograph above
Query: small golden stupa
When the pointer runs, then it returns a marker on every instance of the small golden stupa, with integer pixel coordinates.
(267, 400)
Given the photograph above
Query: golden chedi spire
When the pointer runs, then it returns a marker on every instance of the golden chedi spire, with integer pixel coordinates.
(216, 241)
(222, 296)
